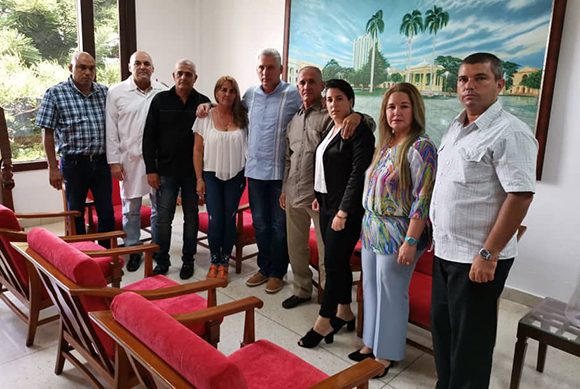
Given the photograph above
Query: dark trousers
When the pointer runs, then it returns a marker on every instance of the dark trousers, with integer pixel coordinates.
(222, 201)
(82, 173)
(269, 222)
(169, 189)
(338, 248)
(464, 323)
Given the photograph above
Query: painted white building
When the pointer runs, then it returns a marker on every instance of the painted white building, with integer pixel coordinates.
(360, 51)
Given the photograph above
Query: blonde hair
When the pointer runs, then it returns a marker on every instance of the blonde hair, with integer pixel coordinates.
(240, 115)
(386, 133)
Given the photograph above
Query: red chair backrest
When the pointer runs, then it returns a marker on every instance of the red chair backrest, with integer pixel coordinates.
(9, 221)
(425, 263)
(116, 194)
(245, 199)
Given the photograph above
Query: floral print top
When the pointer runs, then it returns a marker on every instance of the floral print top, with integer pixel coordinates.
(388, 207)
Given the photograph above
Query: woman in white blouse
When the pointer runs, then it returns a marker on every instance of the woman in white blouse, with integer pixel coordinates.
(219, 157)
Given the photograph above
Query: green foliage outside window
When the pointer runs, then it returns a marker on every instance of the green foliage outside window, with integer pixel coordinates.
(37, 40)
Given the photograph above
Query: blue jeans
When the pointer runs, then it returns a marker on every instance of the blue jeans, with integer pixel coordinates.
(166, 202)
(222, 200)
(270, 226)
(132, 219)
(82, 173)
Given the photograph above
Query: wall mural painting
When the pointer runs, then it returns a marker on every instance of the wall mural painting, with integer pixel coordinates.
(373, 44)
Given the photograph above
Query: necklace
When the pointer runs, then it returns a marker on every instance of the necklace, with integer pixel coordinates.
(224, 122)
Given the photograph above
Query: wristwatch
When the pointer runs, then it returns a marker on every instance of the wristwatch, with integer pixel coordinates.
(485, 254)
(410, 240)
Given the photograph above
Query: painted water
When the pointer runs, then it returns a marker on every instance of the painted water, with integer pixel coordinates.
(441, 110)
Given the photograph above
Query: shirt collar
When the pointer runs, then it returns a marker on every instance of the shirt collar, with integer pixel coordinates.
(278, 88)
(133, 86)
(485, 119)
(74, 86)
(317, 106)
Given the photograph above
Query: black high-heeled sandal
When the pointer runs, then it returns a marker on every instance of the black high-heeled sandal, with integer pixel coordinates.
(384, 373)
(337, 323)
(313, 338)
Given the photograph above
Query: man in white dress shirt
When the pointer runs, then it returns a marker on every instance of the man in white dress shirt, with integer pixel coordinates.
(484, 186)
(127, 106)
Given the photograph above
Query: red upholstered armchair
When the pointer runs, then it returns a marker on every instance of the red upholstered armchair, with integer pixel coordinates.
(77, 286)
(245, 230)
(172, 356)
(26, 287)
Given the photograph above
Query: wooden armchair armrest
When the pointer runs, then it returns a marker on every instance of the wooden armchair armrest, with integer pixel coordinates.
(97, 236)
(41, 215)
(161, 293)
(220, 311)
(243, 207)
(354, 376)
(142, 248)
(13, 236)
(248, 304)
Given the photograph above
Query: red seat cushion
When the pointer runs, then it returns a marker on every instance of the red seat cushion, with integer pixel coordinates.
(420, 299)
(103, 262)
(266, 365)
(196, 360)
(181, 304)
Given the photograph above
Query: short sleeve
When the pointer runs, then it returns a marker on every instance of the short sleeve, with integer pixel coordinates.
(514, 158)
(47, 112)
(200, 125)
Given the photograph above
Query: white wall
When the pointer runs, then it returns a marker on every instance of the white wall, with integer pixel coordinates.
(549, 260)
(232, 32)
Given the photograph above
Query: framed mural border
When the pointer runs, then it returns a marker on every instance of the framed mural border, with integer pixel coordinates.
(548, 78)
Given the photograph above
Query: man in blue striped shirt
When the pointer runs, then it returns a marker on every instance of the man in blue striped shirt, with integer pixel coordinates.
(270, 106)
(72, 115)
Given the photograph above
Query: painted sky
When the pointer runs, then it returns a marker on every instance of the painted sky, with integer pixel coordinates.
(514, 30)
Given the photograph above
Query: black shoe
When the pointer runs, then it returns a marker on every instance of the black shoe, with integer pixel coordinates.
(186, 270)
(337, 323)
(134, 262)
(312, 338)
(161, 269)
(357, 356)
(384, 373)
(294, 301)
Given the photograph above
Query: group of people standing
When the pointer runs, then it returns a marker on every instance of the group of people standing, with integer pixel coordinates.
(309, 158)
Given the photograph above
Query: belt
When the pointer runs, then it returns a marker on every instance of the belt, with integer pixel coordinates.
(80, 157)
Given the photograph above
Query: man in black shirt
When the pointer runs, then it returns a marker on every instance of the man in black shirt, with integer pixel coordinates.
(168, 154)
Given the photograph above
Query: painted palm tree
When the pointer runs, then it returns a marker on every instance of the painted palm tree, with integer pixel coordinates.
(375, 25)
(411, 26)
(435, 20)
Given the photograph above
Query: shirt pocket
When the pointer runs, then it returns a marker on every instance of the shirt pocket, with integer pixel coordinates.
(476, 166)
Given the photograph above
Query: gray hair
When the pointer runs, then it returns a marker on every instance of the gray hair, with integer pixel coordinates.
(270, 52)
(187, 62)
(132, 58)
(77, 54)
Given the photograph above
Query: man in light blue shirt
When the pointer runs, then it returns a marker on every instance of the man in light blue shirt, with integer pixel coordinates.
(270, 106)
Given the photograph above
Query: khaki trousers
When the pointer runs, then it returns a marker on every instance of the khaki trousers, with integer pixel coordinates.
(298, 232)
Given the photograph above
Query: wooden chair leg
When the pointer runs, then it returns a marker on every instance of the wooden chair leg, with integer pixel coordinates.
(239, 254)
(34, 308)
(61, 349)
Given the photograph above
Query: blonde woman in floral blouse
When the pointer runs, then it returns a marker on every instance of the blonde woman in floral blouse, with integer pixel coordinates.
(396, 198)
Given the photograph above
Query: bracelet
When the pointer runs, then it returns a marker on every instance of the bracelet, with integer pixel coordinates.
(341, 217)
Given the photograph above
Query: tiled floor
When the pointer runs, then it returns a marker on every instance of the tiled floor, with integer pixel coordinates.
(22, 367)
